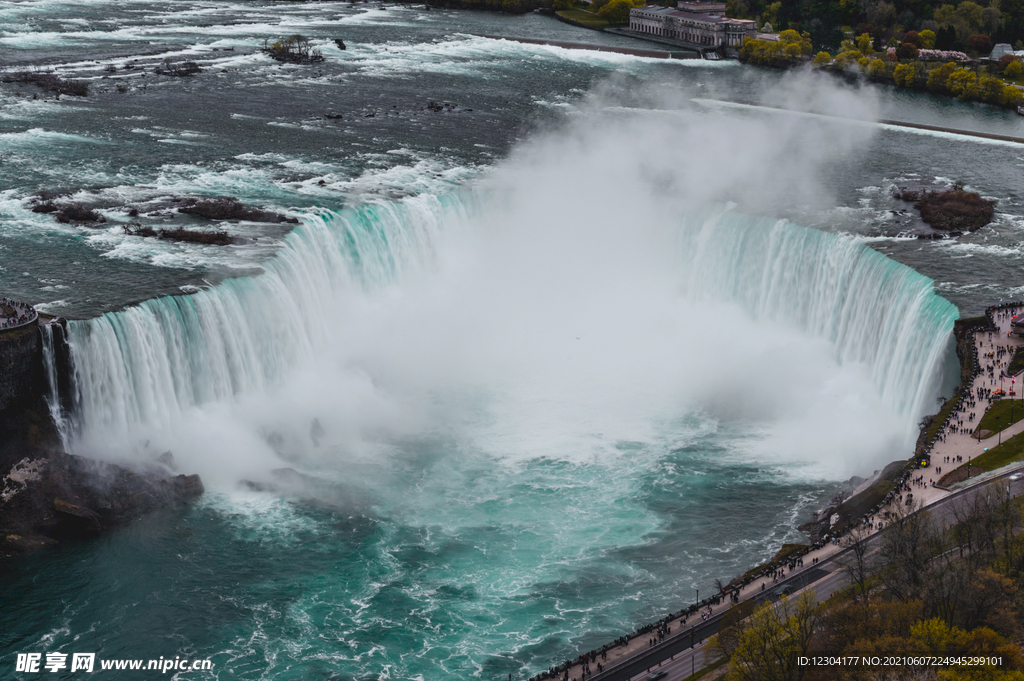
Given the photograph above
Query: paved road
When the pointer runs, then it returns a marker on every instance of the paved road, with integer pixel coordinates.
(679, 658)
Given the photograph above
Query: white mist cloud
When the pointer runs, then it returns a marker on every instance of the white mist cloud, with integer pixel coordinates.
(560, 318)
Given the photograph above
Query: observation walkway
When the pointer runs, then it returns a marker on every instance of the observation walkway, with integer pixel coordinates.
(14, 315)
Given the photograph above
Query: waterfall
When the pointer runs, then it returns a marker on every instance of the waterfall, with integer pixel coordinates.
(148, 363)
(51, 373)
(873, 309)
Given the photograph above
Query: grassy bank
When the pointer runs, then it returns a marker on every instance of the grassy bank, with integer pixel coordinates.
(786, 553)
(1017, 363)
(583, 18)
(1011, 450)
(936, 423)
(998, 416)
(854, 508)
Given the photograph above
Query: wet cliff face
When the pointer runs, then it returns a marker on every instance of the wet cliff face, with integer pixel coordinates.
(20, 367)
(47, 495)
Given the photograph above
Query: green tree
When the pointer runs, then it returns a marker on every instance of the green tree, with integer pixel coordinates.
(822, 58)
(961, 82)
(770, 15)
(986, 88)
(904, 75)
(1012, 96)
(616, 11)
(846, 59)
(938, 78)
(768, 643)
(876, 68)
(864, 44)
(967, 17)
(927, 39)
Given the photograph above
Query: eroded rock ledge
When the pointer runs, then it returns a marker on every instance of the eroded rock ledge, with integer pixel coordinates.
(48, 496)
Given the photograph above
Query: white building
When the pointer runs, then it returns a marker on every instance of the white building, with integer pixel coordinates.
(700, 24)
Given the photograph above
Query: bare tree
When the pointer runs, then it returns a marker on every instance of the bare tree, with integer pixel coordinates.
(906, 547)
(858, 564)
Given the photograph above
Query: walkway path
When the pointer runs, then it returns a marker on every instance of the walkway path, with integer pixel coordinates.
(962, 444)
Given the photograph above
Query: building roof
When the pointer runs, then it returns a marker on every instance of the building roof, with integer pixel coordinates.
(671, 12)
(699, 7)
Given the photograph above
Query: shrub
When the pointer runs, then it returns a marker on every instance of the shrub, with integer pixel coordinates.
(195, 237)
(955, 209)
(45, 207)
(178, 69)
(293, 49)
(137, 229)
(1005, 61)
(229, 208)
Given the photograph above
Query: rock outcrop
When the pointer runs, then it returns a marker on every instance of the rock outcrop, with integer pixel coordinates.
(48, 496)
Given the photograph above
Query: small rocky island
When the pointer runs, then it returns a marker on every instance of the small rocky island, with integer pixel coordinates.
(950, 212)
(46, 495)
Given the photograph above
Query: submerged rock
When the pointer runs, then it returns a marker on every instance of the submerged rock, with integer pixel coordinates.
(229, 208)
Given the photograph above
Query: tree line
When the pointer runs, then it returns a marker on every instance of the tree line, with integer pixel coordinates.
(925, 587)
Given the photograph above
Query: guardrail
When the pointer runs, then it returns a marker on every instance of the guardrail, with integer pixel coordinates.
(24, 314)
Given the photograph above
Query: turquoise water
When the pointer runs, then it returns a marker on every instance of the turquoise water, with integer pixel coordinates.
(548, 366)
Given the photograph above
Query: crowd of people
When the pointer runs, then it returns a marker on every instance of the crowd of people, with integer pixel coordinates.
(14, 314)
(996, 357)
